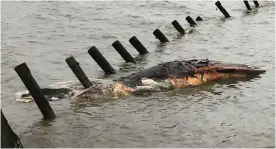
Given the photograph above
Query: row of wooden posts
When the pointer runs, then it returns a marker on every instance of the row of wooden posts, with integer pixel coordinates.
(25, 74)
(48, 114)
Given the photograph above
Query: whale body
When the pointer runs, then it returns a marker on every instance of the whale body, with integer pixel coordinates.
(163, 77)
(168, 76)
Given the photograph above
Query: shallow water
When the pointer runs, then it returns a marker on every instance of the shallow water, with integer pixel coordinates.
(226, 114)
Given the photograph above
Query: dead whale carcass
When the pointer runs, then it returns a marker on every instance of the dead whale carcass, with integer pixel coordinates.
(59, 90)
(168, 76)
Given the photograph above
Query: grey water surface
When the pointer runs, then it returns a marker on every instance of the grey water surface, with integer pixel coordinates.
(225, 114)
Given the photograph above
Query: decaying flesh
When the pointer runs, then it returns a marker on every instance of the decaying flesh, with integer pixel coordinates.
(167, 76)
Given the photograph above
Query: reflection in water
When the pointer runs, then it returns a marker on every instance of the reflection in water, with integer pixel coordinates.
(127, 67)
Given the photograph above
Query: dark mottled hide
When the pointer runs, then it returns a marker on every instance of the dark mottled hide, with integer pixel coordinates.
(165, 70)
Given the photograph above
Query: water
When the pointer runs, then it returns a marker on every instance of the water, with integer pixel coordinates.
(227, 114)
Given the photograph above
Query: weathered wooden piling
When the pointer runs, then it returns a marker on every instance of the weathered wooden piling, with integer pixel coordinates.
(247, 4)
(225, 13)
(75, 67)
(25, 75)
(190, 21)
(178, 27)
(101, 61)
(199, 18)
(138, 45)
(158, 34)
(8, 138)
(256, 3)
(123, 52)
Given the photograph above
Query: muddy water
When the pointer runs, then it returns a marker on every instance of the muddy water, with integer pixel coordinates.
(225, 114)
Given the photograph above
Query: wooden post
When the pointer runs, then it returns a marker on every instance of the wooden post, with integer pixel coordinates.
(199, 18)
(25, 75)
(8, 138)
(123, 52)
(247, 4)
(158, 34)
(190, 21)
(138, 45)
(256, 3)
(101, 61)
(225, 13)
(75, 67)
(178, 27)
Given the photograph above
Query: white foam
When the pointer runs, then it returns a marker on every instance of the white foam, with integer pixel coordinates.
(54, 98)
(24, 100)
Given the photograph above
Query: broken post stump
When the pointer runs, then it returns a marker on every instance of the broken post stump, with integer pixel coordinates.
(178, 27)
(256, 3)
(138, 45)
(8, 138)
(123, 52)
(225, 13)
(75, 67)
(247, 4)
(159, 35)
(190, 21)
(101, 61)
(25, 75)
(199, 18)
